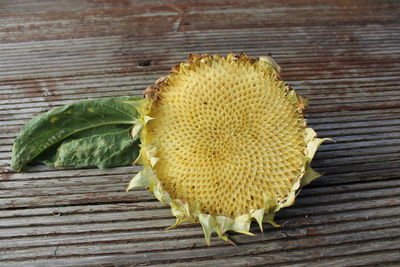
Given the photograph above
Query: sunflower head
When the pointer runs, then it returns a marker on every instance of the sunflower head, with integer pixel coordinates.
(224, 142)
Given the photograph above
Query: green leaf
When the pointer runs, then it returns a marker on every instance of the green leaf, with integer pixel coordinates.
(104, 147)
(49, 129)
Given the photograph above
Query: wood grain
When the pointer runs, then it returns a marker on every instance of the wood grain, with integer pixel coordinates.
(343, 55)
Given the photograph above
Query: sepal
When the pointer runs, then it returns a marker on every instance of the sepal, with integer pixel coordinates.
(268, 60)
(139, 180)
(241, 224)
(208, 223)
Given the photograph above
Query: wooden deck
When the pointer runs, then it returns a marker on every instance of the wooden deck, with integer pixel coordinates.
(344, 55)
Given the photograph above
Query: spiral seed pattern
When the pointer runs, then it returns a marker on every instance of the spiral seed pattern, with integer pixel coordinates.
(227, 135)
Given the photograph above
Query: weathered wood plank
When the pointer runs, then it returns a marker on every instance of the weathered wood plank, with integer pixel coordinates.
(93, 209)
(325, 196)
(388, 257)
(135, 246)
(161, 218)
(298, 253)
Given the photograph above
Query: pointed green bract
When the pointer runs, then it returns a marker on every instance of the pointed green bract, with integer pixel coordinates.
(223, 224)
(258, 215)
(241, 224)
(309, 176)
(269, 218)
(208, 223)
(139, 180)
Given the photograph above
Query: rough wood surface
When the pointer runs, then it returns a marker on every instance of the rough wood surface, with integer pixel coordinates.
(344, 55)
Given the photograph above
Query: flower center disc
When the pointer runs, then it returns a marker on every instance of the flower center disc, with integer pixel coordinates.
(227, 135)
